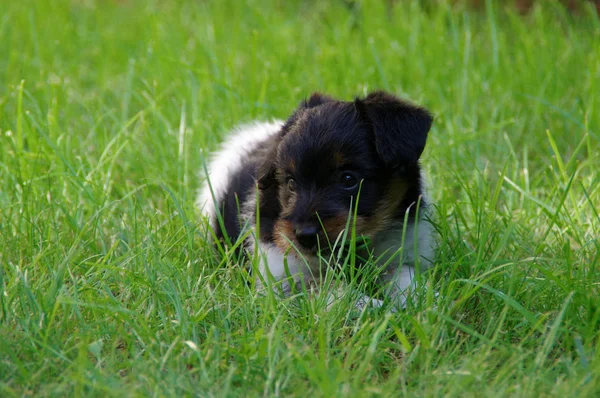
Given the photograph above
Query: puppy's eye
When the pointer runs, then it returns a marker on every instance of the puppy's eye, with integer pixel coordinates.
(291, 185)
(349, 180)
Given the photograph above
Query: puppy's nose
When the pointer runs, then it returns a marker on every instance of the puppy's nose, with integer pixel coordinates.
(307, 235)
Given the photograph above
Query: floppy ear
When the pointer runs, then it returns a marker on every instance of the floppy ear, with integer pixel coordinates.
(400, 127)
(266, 169)
(266, 176)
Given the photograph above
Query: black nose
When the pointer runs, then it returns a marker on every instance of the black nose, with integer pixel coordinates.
(307, 236)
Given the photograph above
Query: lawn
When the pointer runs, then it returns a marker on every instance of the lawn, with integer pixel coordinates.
(108, 286)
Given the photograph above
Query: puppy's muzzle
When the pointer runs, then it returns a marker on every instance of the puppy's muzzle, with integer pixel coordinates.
(307, 236)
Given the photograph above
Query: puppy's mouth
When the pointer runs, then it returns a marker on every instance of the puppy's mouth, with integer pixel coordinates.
(312, 240)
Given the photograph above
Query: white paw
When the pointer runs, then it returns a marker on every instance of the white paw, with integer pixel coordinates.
(368, 302)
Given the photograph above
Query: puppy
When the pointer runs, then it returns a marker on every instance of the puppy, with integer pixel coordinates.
(300, 185)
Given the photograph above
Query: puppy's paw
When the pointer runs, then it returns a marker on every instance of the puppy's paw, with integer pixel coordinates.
(368, 302)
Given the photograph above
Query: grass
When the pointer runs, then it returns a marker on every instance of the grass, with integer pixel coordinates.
(107, 286)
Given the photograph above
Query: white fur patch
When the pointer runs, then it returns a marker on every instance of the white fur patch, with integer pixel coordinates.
(227, 161)
(389, 243)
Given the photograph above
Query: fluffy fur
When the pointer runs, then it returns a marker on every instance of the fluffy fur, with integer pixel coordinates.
(330, 160)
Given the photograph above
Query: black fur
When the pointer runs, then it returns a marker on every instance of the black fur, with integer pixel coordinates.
(322, 148)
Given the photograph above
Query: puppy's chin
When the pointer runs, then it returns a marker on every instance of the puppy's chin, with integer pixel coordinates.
(307, 252)
(287, 245)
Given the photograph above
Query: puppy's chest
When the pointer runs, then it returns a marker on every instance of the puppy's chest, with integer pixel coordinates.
(391, 247)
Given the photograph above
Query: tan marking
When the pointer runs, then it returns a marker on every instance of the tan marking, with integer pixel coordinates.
(283, 233)
(336, 225)
(384, 214)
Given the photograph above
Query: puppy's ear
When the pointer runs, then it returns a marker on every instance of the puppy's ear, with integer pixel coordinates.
(400, 127)
(315, 100)
(266, 173)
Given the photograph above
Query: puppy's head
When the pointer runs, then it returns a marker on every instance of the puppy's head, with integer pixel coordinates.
(334, 159)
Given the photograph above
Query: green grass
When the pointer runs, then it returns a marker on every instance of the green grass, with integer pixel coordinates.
(107, 286)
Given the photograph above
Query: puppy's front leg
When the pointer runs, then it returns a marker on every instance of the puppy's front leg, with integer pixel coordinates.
(279, 270)
(366, 301)
(400, 283)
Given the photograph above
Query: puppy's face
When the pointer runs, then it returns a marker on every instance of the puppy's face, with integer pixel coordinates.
(344, 163)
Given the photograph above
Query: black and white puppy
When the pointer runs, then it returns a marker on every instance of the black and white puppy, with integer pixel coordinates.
(330, 161)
